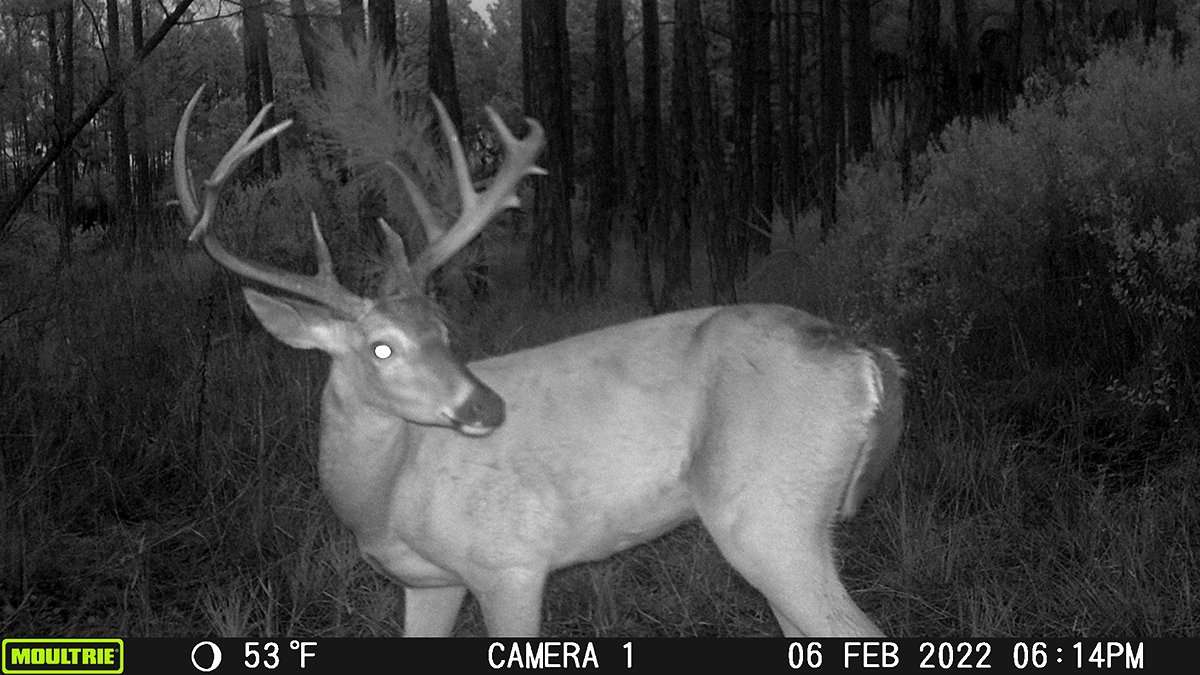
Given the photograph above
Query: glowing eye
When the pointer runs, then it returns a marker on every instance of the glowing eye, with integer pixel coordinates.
(381, 350)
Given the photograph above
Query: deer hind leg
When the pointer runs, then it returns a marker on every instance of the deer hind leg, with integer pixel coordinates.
(769, 506)
(792, 565)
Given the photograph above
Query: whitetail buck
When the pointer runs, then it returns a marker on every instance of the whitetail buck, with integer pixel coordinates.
(763, 421)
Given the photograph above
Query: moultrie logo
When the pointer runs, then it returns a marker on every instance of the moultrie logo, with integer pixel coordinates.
(74, 656)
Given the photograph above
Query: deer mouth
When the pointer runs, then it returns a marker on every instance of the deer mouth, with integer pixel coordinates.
(469, 427)
(479, 412)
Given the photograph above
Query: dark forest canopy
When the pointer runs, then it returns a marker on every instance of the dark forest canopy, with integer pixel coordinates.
(771, 132)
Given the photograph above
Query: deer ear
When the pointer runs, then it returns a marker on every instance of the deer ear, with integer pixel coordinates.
(296, 323)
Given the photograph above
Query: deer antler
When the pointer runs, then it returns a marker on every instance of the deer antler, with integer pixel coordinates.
(478, 208)
(323, 288)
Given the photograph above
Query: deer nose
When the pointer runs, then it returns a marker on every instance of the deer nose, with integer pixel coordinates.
(480, 412)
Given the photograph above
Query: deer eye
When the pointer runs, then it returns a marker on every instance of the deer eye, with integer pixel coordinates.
(381, 350)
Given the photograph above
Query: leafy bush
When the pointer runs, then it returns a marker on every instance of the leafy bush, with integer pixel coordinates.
(1063, 236)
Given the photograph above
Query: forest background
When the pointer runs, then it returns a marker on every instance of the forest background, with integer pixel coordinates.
(1004, 191)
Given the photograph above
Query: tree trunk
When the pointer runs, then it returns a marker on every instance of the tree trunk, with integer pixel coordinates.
(787, 11)
(85, 117)
(307, 38)
(252, 82)
(743, 127)
(962, 46)
(651, 220)
(798, 111)
(1148, 14)
(142, 188)
(442, 79)
(120, 136)
(597, 261)
(5, 155)
(1018, 58)
(862, 77)
(706, 164)
(564, 92)
(54, 50)
(547, 91)
(444, 83)
(924, 17)
(764, 131)
(266, 82)
(350, 20)
(62, 76)
(677, 272)
(382, 16)
(623, 167)
(832, 111)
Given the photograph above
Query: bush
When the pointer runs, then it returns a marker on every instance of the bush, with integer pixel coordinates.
(1061, 238)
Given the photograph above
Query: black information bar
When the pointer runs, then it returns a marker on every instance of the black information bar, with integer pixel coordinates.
(344, 656)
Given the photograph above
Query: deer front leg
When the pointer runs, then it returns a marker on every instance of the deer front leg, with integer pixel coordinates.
(431, 612)
(512, 603)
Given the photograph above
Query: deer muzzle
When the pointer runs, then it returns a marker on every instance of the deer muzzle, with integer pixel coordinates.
(481, 412)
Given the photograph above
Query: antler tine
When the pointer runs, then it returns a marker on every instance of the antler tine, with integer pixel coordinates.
(247, 144)
(399, 279)
(322, 288)
(458, 160)
(321, 249)
(479, 208)
(183, 179)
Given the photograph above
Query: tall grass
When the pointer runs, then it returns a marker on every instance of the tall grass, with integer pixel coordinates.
(164, 484)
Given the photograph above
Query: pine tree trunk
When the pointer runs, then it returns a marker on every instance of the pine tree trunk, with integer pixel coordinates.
(623, 145)
(351, 21)
(596, 263)
(788, 170)
(62, 75)
(799, 110)
(120, 136)
(764, 131)
(307, 38)
(861, 79)
(706, 192)
(962, 45)
(252, 82)
(924, 17)
(442, 79)
(444, 84)
(1018, 63)
(382, 16)
(677, 272)
(1147, 12)
(651, 218)
(547, 90)
(741, 207)
(142, 188)
(261, 37)
(832, 109)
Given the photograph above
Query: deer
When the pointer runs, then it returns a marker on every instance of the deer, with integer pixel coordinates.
(764, 422)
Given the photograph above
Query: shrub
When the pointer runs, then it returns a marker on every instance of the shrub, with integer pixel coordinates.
(1062, 236)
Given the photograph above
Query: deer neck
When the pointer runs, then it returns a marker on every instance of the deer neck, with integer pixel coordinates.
(363, 451)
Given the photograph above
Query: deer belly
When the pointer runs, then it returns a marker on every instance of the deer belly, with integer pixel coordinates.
(405, 565)
(603, 532)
